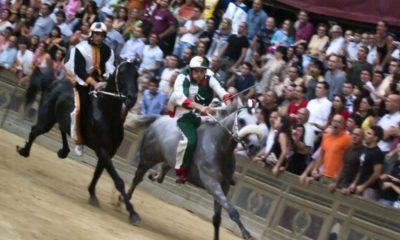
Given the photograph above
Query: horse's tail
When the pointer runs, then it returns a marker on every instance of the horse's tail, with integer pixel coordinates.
(31, 93)
(145, 120)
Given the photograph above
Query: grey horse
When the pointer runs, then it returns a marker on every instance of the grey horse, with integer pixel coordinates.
(213, 163)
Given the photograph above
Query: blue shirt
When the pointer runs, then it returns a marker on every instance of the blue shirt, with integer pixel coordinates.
(244, 83)
(153, 104)
(281, 37)
(7, 57)
(255, 21)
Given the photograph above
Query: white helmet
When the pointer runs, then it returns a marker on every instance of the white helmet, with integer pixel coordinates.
(98, 27)
(198, 62)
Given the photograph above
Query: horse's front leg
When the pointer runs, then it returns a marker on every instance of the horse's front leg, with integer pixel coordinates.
(215, 188)
(119, 184)
(63, 152)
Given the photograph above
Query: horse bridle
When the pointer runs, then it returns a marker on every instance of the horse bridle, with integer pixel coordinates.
(235, 131)
(118, 93)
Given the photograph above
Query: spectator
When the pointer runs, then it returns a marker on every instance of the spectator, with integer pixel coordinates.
(283, 36)
(394, 68)
(280, 148)
(318, 41)
(353, 44)
(90, 13)
(320, 108)
(357, 66)
(333, 147)
(375, 92)
(354, 121)
(113, 39)
(9, 54)
(134, 20)
(336, 44)
(243, 80)
(315, 76)
(304, 28)
(121, 19)
(339, 107)
(71, 9)
(390, 190)
(66, 31)
(28, 22)
(275, 66)
(209, 8)
(297, 162)
(256, 18)
(186, 11)
(366, 113)
(81, 34)
(347, 93)
(294, 73)
(215, 66)
(262, 41)
(152, 57)
(34, 42)
(164, 24)
(334, 77)
(170, 68)
(4, 21)
(23, 62)
(390, 122)
(269, 105)
(206, 37)
(186, 56)
(235, 49)
(298, 102)
(5, 37)
(201, 49)
(133, 114)
(351, 163)
(261, 156)
(44, 24)
(153, 99)
(309, 134)
(384, 44)
(286, 98)
(372, 57)
(133, 48)
(220, 38)
(190, 32)
(371, 165)
(54, 42)
(237, 13)
(58, 65)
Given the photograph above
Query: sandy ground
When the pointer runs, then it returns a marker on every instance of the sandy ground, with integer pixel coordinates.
(44, 197)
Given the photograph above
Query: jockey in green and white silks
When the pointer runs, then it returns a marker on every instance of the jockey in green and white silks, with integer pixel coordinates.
(193, 91)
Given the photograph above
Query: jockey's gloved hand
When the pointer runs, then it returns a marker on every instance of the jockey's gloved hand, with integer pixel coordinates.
(98, 86)
(207, 110)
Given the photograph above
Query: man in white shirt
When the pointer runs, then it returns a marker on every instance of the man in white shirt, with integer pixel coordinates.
(336, 44)
(23, 64)
(320, 107)
(190, 32)
(171, 68)
(152, 57)
(390, 122)
(133, 48)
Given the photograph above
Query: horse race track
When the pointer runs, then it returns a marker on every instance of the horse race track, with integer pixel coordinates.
(43, 197)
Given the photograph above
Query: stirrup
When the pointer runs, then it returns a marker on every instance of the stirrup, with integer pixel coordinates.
(79, 150)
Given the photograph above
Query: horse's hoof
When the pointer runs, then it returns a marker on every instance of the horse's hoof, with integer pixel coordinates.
(63, 153)
(134, 218)
(94, 202)
(154, 176)
(248, 237)
(22, 151)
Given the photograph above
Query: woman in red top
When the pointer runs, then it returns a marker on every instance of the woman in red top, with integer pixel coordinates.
(339, 107)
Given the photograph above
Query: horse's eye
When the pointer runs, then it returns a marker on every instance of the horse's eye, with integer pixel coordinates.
(242, 122)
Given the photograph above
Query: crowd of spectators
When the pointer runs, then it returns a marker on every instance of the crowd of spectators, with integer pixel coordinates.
(329, 97)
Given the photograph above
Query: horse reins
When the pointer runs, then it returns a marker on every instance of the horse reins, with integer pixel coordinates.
(118, 94)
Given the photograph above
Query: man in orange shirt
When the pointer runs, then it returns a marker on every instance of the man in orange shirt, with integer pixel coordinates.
(333, 146)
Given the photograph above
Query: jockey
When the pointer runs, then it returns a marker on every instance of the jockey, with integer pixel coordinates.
(89, 64)
(193, 91)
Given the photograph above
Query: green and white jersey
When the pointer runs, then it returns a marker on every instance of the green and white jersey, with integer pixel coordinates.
(186, 90)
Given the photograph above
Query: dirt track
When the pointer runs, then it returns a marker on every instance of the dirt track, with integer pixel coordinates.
(45, 198)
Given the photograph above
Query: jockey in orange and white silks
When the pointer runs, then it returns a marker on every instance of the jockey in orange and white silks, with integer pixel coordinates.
(193, 91)
(89, 64)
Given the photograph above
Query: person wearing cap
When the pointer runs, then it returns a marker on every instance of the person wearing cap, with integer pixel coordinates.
(90, 62)
(193, 91)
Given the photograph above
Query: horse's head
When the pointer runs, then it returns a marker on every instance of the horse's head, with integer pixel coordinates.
(247, 128)
(126, 76)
